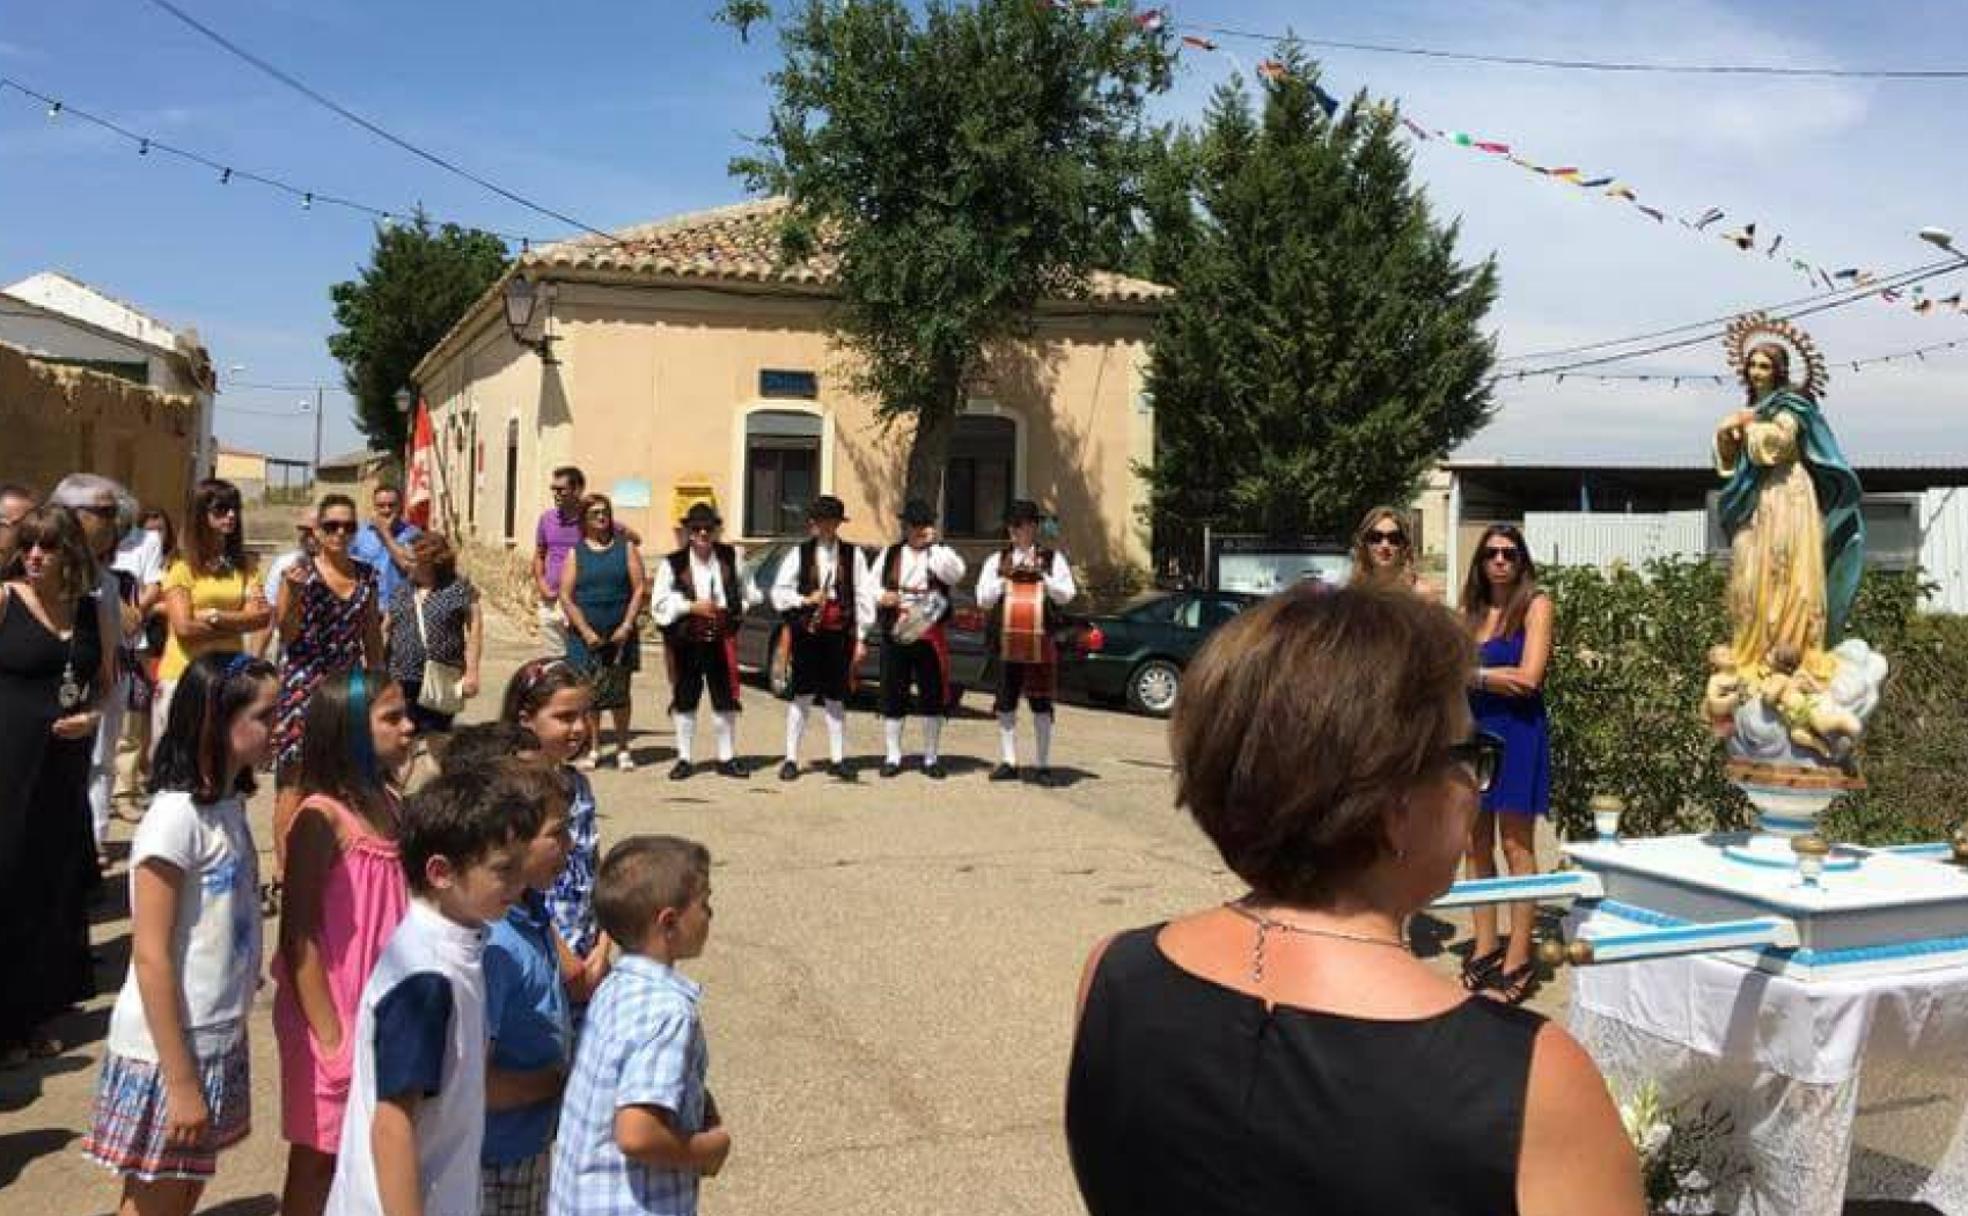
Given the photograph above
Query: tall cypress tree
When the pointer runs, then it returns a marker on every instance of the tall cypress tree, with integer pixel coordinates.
(1324, 345)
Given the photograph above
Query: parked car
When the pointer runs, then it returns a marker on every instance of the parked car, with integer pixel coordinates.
(1138, 654)
(764, 645)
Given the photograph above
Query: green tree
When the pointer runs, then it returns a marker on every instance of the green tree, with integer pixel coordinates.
(420, 279)
(1324, 346)
(963, 162)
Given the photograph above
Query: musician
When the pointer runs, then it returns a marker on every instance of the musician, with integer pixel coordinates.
(698, 599)
(817, 591)
(1025, 563)
(908, 596)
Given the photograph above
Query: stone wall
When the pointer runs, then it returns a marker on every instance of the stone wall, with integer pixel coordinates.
(60, 420)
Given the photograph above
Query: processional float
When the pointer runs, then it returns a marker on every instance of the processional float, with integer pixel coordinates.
(1789, 695)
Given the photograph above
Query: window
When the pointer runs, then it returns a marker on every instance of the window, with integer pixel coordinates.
(1154, 608)
(800, 386)
(977, 482)
(1219, 612)
(782, 470)
(512, 477)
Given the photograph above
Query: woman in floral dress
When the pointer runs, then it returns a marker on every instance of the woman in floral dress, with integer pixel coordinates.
(329, 620)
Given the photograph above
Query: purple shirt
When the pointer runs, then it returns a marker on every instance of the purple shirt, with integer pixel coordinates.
(556, 537)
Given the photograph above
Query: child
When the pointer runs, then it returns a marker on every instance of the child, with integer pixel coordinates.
(175, 1088)
(639, 1128)
(344, 894)
(550, 697)
(416, 1108)
(528, 1018)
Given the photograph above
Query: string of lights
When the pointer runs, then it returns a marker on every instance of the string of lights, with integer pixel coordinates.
(1585, 65)
(1676, 379)
(304, 89)
(228, 174)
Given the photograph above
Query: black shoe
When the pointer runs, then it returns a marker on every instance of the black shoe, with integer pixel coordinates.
(889, 768)
(731, 768)
(680, 770)
(1005, 772)
(934, 771)
(1044, 777)
(789, 771)
(840, 772)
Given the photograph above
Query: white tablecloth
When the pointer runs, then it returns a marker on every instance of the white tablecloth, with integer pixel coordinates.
(1837, 1089)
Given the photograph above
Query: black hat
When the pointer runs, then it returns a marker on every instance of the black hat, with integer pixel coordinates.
(827, 507)
(917, 513)
(702, 513)
(1023, 511)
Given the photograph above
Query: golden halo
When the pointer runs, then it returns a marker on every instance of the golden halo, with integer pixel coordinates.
(1751, 328)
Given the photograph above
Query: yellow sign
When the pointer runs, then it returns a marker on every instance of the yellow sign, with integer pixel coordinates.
(688, 492)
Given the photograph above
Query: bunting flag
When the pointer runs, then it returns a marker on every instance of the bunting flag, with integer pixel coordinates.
(1152, 20)
(1923, 306)
(420, 492)
(1744, 239)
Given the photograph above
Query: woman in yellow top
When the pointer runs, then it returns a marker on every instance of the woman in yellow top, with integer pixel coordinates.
(212, 595)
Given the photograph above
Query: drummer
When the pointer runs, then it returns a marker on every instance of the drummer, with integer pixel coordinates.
(697, 601)
(1025, 562)
(910, 600)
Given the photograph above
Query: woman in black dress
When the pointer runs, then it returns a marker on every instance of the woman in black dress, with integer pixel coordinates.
(53, 670)
(1284, 1052)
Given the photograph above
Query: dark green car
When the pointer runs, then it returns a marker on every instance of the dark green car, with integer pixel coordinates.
(1137, 655)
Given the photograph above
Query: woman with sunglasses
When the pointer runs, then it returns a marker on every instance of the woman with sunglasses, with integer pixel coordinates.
(1285, 1052)
(1384, 556)
(601, 593)
(1512, 623)
(212, 594)
(330, 621)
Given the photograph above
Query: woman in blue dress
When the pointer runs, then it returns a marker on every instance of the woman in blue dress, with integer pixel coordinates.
(1511, 621)
(601, 591)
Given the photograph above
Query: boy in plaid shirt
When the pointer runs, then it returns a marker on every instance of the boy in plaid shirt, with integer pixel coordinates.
(638, 1128)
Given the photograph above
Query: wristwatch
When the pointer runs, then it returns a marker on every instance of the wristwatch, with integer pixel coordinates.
(211, 618)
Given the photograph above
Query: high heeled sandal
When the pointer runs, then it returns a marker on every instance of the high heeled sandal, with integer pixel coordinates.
(1479, 971)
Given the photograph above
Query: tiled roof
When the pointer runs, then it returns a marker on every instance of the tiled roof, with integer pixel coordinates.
(741, 242)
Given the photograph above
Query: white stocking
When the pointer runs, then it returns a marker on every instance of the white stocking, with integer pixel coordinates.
(836, 731)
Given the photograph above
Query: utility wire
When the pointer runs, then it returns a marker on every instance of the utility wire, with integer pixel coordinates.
(1587, 65)
(146, 144)
(312, 94)
(1699, 339)
(1892, 282)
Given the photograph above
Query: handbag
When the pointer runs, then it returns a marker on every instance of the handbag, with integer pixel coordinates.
(439, 689)
(608, 675)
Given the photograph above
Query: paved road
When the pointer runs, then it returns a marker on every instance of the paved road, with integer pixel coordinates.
(889, 981)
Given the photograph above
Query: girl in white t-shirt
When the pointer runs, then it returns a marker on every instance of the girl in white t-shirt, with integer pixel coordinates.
(174, 1088)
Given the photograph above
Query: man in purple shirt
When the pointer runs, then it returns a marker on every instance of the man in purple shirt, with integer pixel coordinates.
(558, 532)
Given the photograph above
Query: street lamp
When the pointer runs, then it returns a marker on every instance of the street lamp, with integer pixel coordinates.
(1942, 239)
(315, 407)
(522, 300)
(403, 399)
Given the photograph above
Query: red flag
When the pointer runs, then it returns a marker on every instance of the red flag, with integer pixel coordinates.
(422, 470)
(1485, 145)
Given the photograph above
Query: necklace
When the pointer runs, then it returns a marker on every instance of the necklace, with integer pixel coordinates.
(1266, 924)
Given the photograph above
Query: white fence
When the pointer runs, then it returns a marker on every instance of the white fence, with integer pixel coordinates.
(1944, 547)
(1567, 538)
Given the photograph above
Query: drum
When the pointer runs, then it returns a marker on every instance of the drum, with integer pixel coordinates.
(1022, 623)
(918, 613)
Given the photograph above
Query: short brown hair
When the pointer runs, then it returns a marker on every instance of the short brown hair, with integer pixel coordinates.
(1304, 720)
(466, 817)
(432, 548)
(643, 875)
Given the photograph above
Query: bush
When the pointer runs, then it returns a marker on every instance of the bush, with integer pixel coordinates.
(1625, 686)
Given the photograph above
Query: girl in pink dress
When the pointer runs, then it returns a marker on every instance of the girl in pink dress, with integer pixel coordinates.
(345, 893)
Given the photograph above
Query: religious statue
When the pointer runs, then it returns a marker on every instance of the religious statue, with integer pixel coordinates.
(1789, 688)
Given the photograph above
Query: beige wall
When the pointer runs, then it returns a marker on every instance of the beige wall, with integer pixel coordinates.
(656, 384)
(60, 420)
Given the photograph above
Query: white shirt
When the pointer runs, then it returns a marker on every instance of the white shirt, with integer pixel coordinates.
(140, 554)
(1059, 585)
(913, 574)
(278, 571)
(668, 603)
(826, 569)
(215, 942)
(450, 1122)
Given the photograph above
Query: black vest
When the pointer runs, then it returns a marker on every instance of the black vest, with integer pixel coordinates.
(685, 576)
(809, 570)
(891, 580)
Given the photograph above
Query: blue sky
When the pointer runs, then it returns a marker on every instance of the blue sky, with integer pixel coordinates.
(618, 113)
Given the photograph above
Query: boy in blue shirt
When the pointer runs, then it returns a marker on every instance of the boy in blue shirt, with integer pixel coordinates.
(527, 1017)
(638, 1128)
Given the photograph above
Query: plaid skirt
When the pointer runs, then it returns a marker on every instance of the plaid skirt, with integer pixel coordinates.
(126, 1132)
(519, 1189)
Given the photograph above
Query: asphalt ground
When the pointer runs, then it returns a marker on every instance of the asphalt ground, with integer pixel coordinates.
(889, 981)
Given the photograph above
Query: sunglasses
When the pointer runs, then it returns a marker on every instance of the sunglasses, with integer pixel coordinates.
(702, 529)
(1481, 753)
(98, 512)
(600, 513)
(223, 508)
(1502, 553)
(1387, 537)
(336, 527)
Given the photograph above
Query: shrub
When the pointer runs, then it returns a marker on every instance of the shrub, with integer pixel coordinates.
(1625, 686)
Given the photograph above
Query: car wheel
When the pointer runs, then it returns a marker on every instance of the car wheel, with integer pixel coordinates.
(1153, 686)
(779, 666)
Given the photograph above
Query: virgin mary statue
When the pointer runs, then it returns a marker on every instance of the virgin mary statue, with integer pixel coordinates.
(1790, 507)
